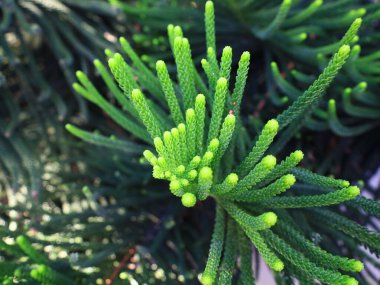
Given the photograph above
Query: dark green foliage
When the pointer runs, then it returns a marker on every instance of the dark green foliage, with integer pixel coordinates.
(41, 44)
(31, 26)
(300, 36)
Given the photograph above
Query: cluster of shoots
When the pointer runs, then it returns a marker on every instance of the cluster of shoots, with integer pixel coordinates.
(186, 161)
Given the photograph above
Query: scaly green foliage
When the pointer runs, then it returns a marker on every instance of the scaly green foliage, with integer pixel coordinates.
(193, 143)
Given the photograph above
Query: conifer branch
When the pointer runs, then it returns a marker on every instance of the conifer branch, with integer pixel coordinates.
(197, 157)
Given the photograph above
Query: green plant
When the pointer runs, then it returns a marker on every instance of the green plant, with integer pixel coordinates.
(204, 156)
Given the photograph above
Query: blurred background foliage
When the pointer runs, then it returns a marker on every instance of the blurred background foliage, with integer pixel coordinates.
(89, 214)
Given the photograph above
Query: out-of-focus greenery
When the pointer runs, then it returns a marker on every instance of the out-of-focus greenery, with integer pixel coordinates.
(42, 43)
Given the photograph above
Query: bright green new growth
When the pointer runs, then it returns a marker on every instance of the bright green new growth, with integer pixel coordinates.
(218, 108)
(265, 139)
(196, 149)
(225, 63)
(210, 27)
(188, 200)
(182, 55)
(167, 87)
(241, 79)
(122, 73)
(145, 113)
(186, 161)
